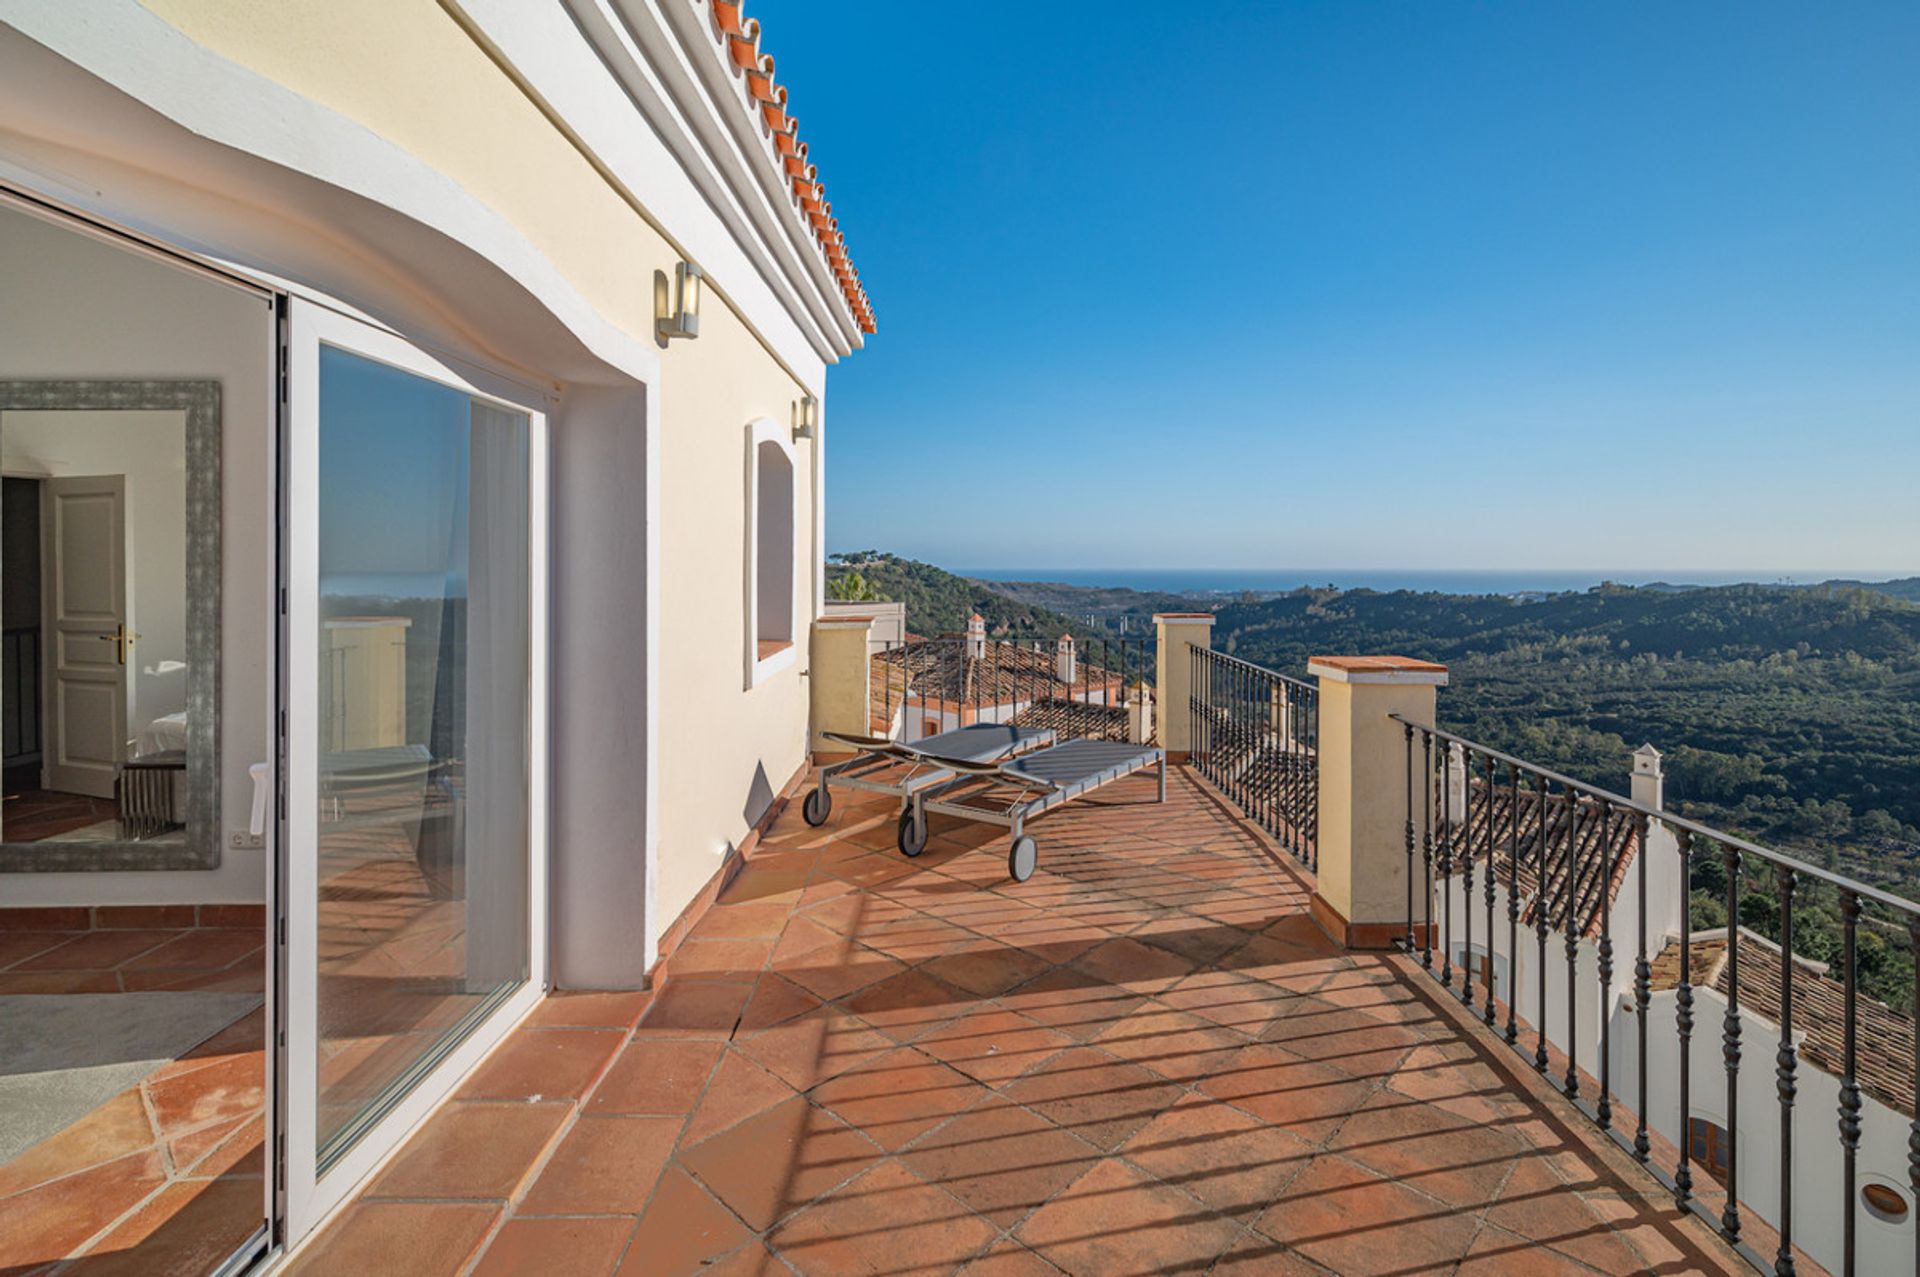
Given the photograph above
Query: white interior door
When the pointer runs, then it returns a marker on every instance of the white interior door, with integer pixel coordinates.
(88, 635)
(416, 740)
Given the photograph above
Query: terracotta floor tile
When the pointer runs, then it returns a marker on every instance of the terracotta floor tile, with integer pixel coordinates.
(695, 1008)
(1352, 1221)
(1459, 1161)
(1116, 1221)
(95, 951)
(188, 1228)
(1093, 1095)
(471, 1151)
(743, 922)
(986, 968)
(18, 981)
(898, 1096)
(886, 1221)
(603, 1166)
(991, 1045)
(220, 1149)
(915, 939)
(684, 1230)
(819, 1045)
(199, 951)
(664, 1075)
(1227, 999)
(1008, 1258)
(1000, 1160)
(1304, 1098)
(775, 1000)
(420, 1239)
(1534, 1203)
(1137, 967)
(906, 1005)
(230, 1088)
(836, 976)
(1234, 1163)
(738, 1089)
(1498, 1253)
(587, 1247)
(768, 1165)
(1070, 1002)
(47, 1222)
(719, 959)
(116, 1129)
(1172, 1043)
(566, 1009)
(551, 1064)
(1351, 1040)
(18, 946)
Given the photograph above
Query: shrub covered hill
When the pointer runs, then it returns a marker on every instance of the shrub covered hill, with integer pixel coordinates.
(1786, 714)
(938, 602)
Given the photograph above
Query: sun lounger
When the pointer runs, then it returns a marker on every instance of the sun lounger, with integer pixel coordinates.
(885, 766)
(1013, 792)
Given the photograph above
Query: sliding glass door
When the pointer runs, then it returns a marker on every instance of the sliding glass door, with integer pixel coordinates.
(415, 736)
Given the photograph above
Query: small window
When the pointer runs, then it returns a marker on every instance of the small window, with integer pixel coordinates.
(930, 727)
(1709, 1148)
(1884, 1202)
(771, 546)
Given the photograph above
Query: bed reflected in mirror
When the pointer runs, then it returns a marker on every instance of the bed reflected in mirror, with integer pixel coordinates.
(109, 624)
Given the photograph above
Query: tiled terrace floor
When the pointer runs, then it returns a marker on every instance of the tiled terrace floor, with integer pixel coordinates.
(1144, 1060)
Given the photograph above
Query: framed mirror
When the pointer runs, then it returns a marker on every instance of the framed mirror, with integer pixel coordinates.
(110, 656)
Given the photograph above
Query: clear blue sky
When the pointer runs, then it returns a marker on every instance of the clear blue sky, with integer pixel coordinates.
(1629, 286)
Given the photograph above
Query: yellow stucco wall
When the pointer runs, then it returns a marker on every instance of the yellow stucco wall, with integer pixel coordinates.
(407, 71)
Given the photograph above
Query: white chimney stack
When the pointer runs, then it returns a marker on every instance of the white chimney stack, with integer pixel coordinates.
(1649, 778)
(1457, 784)
(977, 637)
(1065, 663)
(1140, 714)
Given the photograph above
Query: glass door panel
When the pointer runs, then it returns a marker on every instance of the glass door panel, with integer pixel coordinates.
(415, 738)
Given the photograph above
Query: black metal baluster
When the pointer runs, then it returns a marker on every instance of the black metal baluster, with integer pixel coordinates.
(1785, 1060)
(1408, 729)
(1568, 883)
(1850, 1079)
(1604, 1108)
(1730, 1046)
(1426, 849)
(1513, 907)
(1540, 910)
(1487, 840)
(1446, 862)
(1466, 870)
(1683, 1021)
(1642, 981)
(1913, 1128)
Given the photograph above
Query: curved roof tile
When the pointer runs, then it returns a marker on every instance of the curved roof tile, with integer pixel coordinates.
(741, 36)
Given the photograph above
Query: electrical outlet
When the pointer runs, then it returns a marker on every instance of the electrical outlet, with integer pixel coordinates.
(241, 840)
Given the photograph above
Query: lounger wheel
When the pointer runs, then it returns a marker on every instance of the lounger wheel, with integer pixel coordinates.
(913, 836)
(1023, 859)
(818, 806)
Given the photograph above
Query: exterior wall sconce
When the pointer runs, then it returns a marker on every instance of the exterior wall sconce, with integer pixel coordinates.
(806, 418)
(680, 316)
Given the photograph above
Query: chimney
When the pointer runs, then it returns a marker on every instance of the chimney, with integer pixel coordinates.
(1457, 783)
(1065, 663)
(1140, 714)
(977, 637)
(1649, 778)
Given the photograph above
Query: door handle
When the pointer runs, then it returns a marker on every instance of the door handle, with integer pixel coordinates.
(120, 639)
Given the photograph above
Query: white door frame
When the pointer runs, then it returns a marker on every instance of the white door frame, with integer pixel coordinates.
(311, 1196)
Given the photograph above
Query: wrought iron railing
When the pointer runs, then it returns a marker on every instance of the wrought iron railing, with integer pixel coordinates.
(1255, 733)
(1091, 690)
(1566, 874)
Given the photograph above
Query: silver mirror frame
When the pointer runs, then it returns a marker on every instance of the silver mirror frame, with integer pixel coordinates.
(200, 400)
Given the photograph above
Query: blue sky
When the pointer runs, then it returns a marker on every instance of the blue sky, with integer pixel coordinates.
(1373, 285)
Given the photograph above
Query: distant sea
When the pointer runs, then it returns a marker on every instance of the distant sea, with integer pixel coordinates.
(1463, 581)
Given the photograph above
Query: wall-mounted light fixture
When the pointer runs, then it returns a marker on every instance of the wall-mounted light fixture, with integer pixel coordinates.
(680, 316)
(806, 417)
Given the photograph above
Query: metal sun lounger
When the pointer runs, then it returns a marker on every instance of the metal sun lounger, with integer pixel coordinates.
(886, 766)
(1013, 792)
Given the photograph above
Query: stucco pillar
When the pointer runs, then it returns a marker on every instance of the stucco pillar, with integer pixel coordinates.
(1173, 675)
(1361, 899)
(842, 688)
